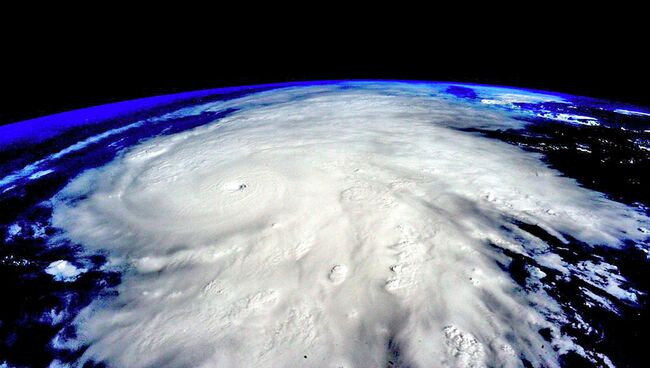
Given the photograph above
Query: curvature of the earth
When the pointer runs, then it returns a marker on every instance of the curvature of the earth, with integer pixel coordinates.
(335, 224)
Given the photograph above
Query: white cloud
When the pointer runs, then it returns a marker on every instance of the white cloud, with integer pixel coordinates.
(64, 271)
(327, 225)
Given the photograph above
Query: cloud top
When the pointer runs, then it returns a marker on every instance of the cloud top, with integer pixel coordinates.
(331, 227)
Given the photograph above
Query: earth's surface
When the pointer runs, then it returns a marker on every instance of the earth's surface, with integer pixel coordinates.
(333, 224)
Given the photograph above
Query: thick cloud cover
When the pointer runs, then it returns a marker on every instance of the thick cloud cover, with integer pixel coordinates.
(329, 227)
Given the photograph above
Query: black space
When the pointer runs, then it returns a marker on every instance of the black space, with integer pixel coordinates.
(65, 65)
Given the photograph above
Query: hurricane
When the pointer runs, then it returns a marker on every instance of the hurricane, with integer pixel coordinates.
(342, 224)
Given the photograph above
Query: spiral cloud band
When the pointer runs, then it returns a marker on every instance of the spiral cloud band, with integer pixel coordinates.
(335, 227)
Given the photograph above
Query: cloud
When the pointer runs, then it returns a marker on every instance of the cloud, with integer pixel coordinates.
(64, 271)
(331, 227)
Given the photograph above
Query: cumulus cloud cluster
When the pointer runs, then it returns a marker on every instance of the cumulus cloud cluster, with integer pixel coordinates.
(328, 227)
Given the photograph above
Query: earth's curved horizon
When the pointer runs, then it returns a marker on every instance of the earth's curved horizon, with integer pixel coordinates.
(328, 224)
